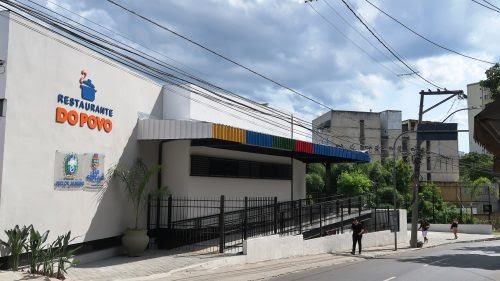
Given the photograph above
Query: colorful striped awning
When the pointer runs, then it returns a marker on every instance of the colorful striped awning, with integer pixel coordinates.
(183, 129)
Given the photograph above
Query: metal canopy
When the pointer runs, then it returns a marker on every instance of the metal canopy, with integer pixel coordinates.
(232, 138)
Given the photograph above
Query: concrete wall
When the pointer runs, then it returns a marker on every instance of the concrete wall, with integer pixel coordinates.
(462, 228)
(477, 98)
(380, 130)
(41, 65)
(176, 163)
(276, 247)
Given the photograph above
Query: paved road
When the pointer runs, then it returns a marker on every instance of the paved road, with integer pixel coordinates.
(457, 262)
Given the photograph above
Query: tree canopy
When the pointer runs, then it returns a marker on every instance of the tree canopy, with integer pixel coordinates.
(474, 165)
(492, 81)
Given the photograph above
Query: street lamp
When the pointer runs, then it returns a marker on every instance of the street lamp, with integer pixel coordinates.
(467, 108)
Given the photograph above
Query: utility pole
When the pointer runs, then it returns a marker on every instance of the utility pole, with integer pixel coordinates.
(418, 156)
(291, 159)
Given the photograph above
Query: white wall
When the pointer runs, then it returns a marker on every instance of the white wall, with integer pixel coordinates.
(185, 104)
(176, 164)
(279, 247)
(41, 66)
(4, 34)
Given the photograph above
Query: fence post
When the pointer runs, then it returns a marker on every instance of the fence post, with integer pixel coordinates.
(221, 225)
(310, 214)
(375, 219)
(360, 202)
(275, 215)
(282, 223)
(293, 217)
(342, 218)
(149, 212)
(397, 216)
(300, 216)
(245, 220)
(169, 210)
(388, 218)
(337, 207)
(320, 221)
(349, 206)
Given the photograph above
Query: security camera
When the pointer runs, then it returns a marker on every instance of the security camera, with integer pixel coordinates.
(2, 62)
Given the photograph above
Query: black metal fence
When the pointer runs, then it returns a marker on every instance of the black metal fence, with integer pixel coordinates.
(222, 224)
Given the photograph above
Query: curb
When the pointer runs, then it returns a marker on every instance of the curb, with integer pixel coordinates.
(241, 259)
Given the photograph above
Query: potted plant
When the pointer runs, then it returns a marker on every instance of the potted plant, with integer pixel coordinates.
(135, 180)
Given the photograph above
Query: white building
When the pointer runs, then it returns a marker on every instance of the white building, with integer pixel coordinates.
(61, 130)
(477, 98)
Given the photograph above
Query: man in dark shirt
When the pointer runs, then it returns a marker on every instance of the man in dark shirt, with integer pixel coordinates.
(357, 234)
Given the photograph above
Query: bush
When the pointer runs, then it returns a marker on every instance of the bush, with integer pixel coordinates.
(41, 256)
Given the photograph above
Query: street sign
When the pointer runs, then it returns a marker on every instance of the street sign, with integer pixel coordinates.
(427, 131)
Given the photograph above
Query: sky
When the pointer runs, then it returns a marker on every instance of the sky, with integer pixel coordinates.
(319, 49)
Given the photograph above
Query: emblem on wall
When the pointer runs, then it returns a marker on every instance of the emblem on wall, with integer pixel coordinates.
(70, 166)
(74, 171)
(88, 89)
(95, 177)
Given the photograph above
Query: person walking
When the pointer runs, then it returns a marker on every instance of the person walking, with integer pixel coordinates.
(424, 225)
(454, 227)
(357, 234)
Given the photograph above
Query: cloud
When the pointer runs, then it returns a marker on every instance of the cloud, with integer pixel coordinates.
(289, 43)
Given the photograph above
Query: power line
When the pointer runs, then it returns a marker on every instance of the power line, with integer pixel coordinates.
(349, 39)
(489, 3)
(219, 55)
(216, 53)
(385, 46)
(366, 39)
(154, 72)
(493, 9)
(426, 39)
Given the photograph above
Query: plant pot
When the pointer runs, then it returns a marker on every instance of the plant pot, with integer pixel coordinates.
(135, 241)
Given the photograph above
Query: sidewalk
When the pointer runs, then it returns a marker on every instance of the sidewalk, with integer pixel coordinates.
(157, 264)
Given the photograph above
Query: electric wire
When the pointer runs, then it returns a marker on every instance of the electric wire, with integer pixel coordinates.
(425, 38)
(218, 54)
(300, 125)
(493, 9)
(385, 46)
(350, 40)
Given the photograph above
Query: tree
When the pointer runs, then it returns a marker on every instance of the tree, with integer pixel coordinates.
(474, 165)
(314, 183)
(478, 186)
(353, 183)
(492, 81)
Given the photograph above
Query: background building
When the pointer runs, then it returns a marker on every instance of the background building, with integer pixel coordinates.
(477, 98)
(374, 132)
(439, 158)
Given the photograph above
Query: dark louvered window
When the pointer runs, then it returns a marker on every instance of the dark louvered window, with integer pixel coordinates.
(205, 166)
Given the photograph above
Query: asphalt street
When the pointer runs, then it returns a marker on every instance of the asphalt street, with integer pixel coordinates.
(457, 262)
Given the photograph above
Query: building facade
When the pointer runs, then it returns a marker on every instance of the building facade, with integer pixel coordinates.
(477, 98)
(374, 132)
